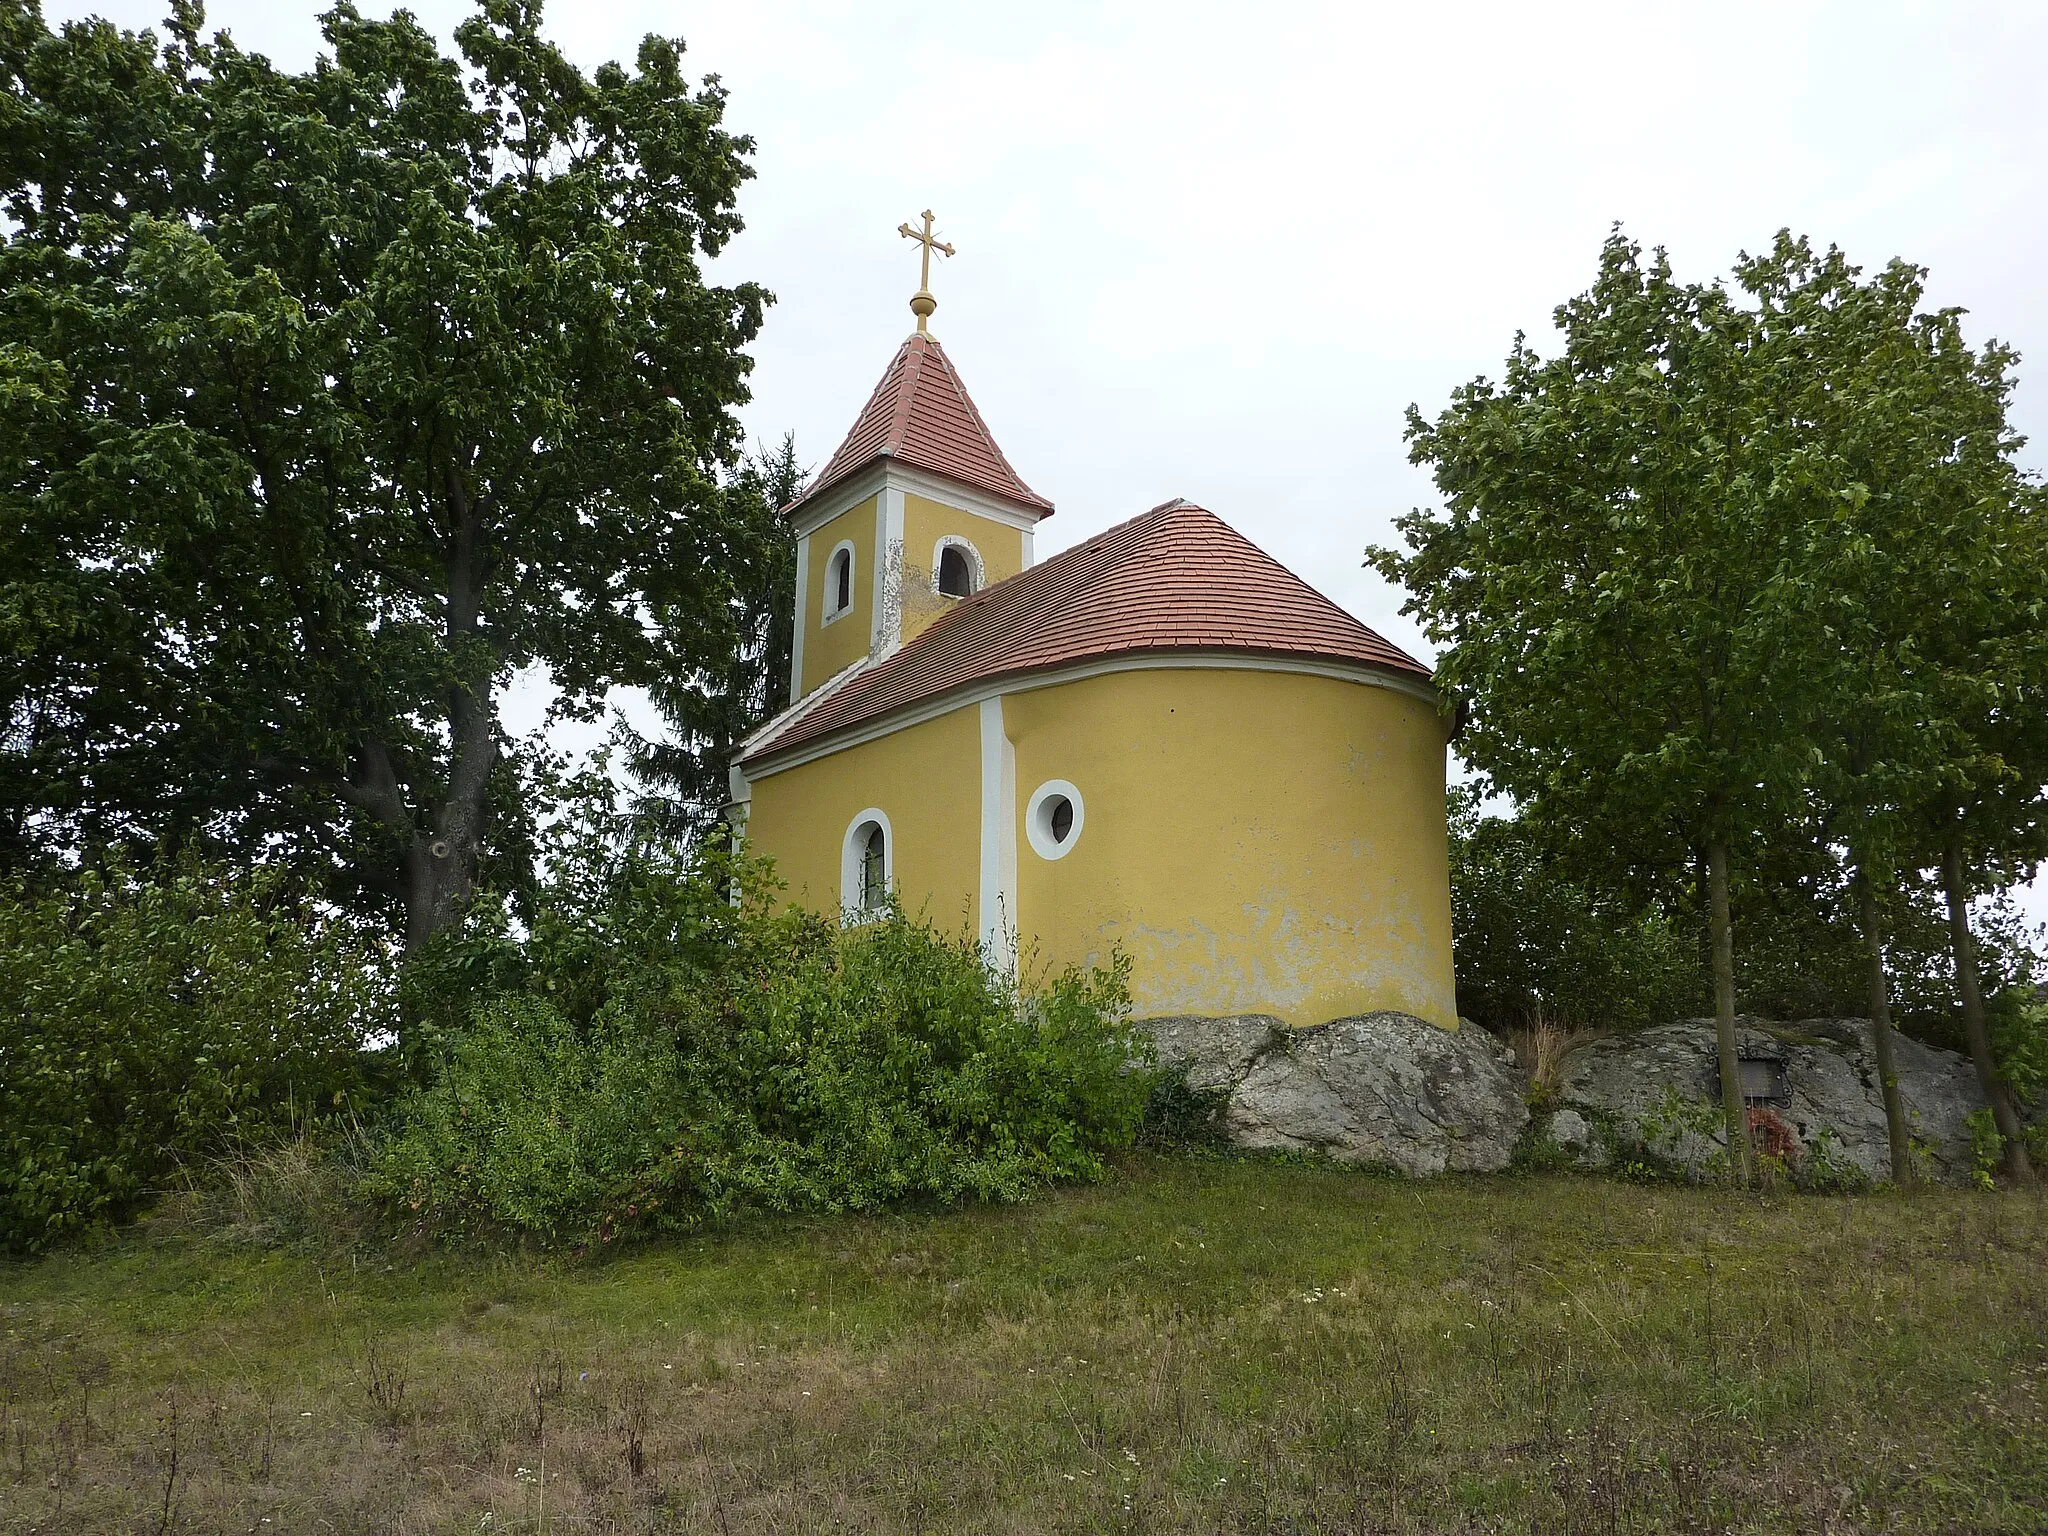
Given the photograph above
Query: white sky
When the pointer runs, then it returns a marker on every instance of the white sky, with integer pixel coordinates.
(1214, 251)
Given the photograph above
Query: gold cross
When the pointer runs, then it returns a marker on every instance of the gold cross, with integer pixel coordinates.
(922, 303)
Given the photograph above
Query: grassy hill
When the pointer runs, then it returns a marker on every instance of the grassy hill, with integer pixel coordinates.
(1193, 1346)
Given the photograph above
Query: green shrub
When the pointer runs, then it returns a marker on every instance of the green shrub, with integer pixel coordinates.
(1535, 947)
(151, 1023)
(672, 1057)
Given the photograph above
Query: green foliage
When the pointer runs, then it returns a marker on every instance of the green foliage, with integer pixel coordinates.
(1607, 575)
(1826, 1169)
(329, 401)
(711, 709)
(1987, 1148)
(1534, 946)
(1182, 1117)
(149, 1024)
(1670, 1135)
(2019, 1040)
(672, 1057)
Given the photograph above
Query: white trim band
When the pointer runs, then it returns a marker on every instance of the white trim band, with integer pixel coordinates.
(1142, 661)
(893, 472)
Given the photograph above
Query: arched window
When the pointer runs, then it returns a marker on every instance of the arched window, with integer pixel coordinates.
(956, 567)
(956, 579)
(839, 582)
(874, 884)
(867, 866)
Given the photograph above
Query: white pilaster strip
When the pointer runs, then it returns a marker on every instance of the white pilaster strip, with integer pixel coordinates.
(1028, 543)
(887, 584)
(998, 894)
(803, 618)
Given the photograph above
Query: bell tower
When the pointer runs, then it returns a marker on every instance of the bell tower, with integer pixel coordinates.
(917, 511)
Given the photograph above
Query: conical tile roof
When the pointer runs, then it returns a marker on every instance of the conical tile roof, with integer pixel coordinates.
(921, 414)
(1176, 579)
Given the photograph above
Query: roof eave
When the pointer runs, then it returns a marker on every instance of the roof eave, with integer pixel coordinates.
(1421, 684)
(1033, 505)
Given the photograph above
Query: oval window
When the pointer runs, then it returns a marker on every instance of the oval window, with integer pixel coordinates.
(1054, 819)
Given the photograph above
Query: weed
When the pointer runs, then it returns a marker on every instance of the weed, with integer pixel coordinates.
(1198, 1345)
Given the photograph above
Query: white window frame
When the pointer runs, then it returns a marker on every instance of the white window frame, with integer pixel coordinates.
(1038, 819)
(851, 907)
(844, 546)
(977, 572)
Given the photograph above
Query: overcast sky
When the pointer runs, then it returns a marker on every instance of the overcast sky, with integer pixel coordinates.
(1214, 252)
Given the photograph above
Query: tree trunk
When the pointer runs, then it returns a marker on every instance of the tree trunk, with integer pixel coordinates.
(1896, 1131)
(1955, 883)
(440, 878)
(441, 870)
(1723, 939)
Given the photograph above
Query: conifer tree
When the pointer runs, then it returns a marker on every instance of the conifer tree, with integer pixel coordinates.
(710, 710)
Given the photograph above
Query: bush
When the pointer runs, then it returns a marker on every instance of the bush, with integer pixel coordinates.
(672, 1058)
(1535, 948)
(151, 1023)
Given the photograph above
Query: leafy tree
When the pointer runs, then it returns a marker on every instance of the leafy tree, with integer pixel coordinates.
(1989, 828)
(1610, 587)
(329, 401)
(1890, 441)
(711, 710)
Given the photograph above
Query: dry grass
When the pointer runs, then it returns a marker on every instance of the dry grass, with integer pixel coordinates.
(1540, 1051)
(1207, 1346)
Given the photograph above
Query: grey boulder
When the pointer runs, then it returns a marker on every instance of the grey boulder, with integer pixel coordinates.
(1658, 1090)
(1386, 1089)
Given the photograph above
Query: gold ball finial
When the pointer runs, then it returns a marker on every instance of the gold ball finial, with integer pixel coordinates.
(922, 303)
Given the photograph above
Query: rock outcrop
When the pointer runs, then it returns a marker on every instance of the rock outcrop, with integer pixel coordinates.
(1657, 1093)
(1382, 1088)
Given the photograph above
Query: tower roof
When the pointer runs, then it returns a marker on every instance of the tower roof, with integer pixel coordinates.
(921, 415)
(1176, 579)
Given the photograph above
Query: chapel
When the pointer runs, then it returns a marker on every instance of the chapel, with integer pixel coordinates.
(1160, 740)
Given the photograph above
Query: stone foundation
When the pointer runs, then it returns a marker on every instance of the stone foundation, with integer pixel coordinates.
(1384, 1089)
(1390, 1090)
(1657, 1092)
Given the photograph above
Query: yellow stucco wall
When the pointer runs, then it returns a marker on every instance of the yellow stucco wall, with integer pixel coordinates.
(926, 780)
(830, 648)
(925, 522)
(1258, 842)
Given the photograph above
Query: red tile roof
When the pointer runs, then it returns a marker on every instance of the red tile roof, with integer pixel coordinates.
(1177, 579)
(920, 414)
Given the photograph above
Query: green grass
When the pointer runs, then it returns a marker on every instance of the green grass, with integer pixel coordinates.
(1193, 1346)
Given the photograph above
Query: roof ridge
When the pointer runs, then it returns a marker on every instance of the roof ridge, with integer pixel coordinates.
(906, 394)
